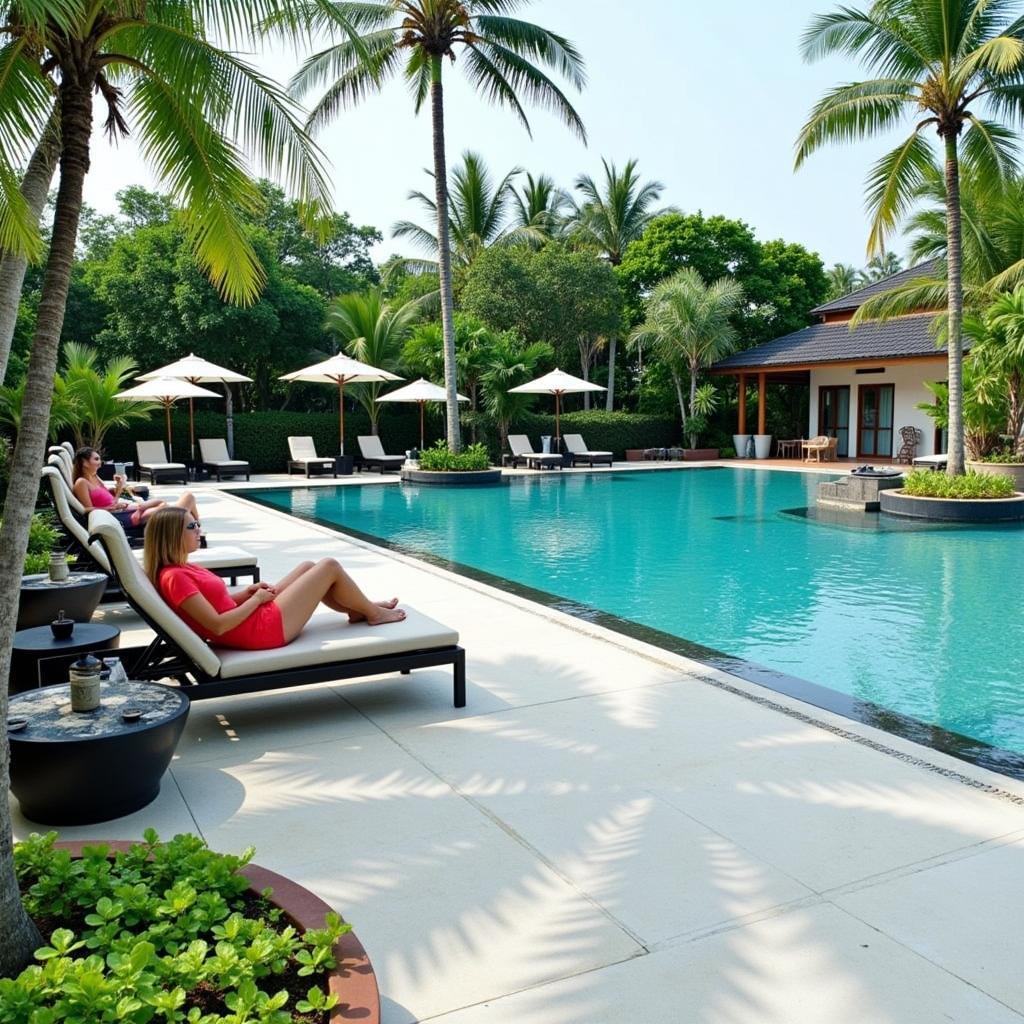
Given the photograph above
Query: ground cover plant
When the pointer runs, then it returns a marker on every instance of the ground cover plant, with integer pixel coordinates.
(164, 932)
(441, 458)
(926, 484)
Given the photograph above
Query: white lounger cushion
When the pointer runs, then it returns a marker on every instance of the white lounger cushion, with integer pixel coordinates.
(329, 636)
(371, 448)
(214, 452)
(153, 455)
(180, 466)
(574, 442)
(302, 449)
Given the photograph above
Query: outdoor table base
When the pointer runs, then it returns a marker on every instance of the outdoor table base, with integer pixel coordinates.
(70, 768)
(36, 654)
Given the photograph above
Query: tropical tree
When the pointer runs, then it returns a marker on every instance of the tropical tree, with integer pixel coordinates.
(689, 327)
(843, 278)
(372, 330)
(502, 56)
(613, 214)
(539, 210)
(477, 211)
(510, 365)
(194, 107)
(938, 63)
(1000, 345)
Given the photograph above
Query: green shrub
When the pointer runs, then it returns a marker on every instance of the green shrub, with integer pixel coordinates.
(605, 431)
(43, 537)
(924, 483)
(441, 459)
(162, 932)
(1008, 455)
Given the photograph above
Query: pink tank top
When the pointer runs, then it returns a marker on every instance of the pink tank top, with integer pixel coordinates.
(100, 497)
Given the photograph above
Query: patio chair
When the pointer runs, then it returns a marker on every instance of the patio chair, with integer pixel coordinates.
(151, 460)
(213, 451)
(374, 456)
(230, 562)
(304, 457)
(522, 451)
(909, 440)
(817, 446)
(328, 649)
(579, 452)
(60, 458)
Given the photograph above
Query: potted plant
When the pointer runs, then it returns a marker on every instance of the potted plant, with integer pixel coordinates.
(174, 931)
(440, 465)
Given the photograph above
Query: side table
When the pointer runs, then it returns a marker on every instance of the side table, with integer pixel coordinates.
(41, 599)
(69, 768)
(33, 648)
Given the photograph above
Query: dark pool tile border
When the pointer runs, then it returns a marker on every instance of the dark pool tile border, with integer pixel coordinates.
(964, 748)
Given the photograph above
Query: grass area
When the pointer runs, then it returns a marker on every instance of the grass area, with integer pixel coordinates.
(924, 483)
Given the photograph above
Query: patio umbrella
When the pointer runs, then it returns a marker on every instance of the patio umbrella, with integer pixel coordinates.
(556, 383)
(200, 371)
(341, 370)
(166, 390)
(421, 392)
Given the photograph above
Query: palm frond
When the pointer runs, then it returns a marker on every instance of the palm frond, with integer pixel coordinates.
(893, 185)
(420, 237)
(536, 43)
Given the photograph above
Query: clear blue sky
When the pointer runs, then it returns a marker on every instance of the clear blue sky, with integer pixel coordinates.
(709, 97)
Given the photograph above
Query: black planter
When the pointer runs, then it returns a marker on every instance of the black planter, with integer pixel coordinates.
(41, 600)
(433, 478)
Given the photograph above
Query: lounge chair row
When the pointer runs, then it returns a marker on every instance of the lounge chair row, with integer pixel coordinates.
(576, 451)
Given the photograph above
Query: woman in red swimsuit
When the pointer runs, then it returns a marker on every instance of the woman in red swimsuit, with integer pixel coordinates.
(256, 617)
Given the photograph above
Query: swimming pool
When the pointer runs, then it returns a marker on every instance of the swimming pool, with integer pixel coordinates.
(915, 629)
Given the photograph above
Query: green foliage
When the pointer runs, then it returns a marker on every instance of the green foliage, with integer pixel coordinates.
(1007, 455)
(43, 537)
(161, 931)
(924, 483)
(984, 403)
(441, 458)
(604, 431)
(509, 364)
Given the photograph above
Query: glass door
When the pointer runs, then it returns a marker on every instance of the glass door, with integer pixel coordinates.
(834, 416)
(874, 431)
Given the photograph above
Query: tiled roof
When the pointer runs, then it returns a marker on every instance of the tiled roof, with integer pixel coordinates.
(854, 299)
(830, 343)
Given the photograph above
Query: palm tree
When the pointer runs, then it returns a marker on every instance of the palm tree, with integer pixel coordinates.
(372, 330)
(194, 107)
(476, 211)
(510, 365)
(689, 325)
(502, 56)
(937, 62)
(880, 266)
(612, 215)
(539, 210)
(843, 278)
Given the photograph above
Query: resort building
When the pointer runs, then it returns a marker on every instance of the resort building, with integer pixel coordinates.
(865, 383)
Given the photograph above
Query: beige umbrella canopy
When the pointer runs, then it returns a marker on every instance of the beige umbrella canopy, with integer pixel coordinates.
(166, 390)
(197, 370)
(341, 370)
(420, 391)
(556, 383)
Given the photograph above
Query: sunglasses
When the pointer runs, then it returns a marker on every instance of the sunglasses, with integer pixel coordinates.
(194, 525)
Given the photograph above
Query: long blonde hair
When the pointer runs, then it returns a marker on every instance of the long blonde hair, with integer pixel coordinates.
(164, 540)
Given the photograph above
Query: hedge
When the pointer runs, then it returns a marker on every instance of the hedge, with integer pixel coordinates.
(605, 431)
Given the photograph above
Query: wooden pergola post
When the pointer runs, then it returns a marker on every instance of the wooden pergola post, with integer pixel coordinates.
(762, 405)
(741, 425)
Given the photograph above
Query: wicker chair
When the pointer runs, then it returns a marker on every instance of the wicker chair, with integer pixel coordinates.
(910, 438)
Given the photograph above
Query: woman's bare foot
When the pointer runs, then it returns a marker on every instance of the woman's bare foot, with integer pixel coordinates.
(385, 615)
(360, 617)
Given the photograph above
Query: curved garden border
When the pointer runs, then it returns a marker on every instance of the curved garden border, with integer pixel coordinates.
(1014, 470)
(950, 510)
(435, 478)
(352, 981)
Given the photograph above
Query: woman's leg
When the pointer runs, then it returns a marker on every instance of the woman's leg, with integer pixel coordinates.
(327, 581)
(302, 568)
(282, 584)
(187, 500)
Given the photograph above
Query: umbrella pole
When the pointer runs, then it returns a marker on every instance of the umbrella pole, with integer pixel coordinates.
(421, 404)
(192, 427)
(341, 416)
(558, 422)
(170, 443)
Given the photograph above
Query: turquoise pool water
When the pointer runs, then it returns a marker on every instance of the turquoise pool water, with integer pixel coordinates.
(923, 622)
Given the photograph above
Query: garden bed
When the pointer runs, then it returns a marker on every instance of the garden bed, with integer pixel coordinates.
(953, 510)
(451, 478)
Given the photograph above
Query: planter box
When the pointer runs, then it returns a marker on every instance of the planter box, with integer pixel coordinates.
(953, 510)
(634, 454)
(352, 981)
(1014, 470)
(433, 478)
(699, 454)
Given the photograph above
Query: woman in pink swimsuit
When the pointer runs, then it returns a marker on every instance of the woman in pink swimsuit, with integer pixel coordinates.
(92, 492)
(259, 616)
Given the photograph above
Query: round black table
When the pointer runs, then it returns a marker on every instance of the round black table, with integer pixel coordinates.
(31, 646)
(41, 599)
(69, 768)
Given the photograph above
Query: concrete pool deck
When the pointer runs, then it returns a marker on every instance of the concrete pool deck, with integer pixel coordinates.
(607, 832)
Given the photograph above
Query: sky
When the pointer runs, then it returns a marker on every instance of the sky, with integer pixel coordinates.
(708, 97)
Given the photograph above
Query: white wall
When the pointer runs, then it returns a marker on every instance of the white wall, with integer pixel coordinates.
(908, 379)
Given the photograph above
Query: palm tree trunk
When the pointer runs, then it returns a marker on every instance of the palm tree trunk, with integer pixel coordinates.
(584, 346)
(20, 935)
(609, 398)
(444, 255)
(34, 187)
(679, 396)
(955, 465)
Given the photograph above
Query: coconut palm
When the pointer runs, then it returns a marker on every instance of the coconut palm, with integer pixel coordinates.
(510, 364)
(539, 210)
(502, 56)
(689, 325)
(194, 108)
(613, 214)
(1001, 346)
(843, 278)
(477, 211)
(938, 64)
(880, 266)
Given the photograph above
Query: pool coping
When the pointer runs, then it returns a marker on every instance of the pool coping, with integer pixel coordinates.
(965, 749)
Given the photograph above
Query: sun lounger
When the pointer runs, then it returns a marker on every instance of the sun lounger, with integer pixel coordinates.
(932, 461)
(328, 649)
(230, 562)
(522, 451)
(213, 452)
(579, 453)
(374, 456)
(60, 458)
(151, 460)
(304, 457)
